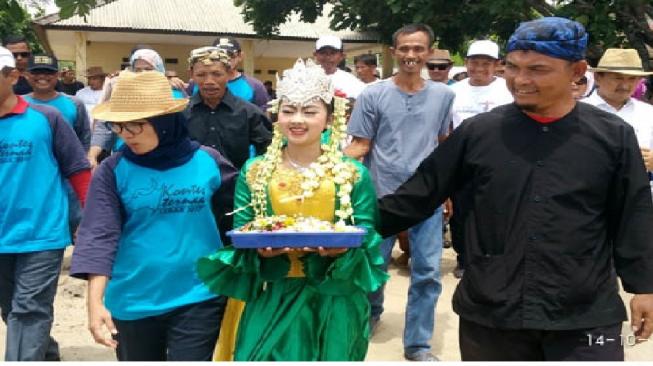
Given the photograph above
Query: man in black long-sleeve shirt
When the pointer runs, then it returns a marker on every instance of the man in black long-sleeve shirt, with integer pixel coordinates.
(217, 118)
(561, 206)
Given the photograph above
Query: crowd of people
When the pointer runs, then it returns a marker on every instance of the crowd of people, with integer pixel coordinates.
(540, 166)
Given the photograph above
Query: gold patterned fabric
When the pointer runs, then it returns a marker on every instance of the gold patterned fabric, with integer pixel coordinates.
(284, 186)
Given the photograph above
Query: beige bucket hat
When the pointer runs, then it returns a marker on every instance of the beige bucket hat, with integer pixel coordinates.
(621, 61)
(137, 96)
(95, 71)
(441, 56)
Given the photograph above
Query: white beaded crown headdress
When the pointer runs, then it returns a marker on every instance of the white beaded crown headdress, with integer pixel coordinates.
(304, 83)
(307, 82)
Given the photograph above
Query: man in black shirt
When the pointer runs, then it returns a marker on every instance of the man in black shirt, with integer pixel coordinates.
(69, 84)
(217, 118)
(22, 52)
(560, 207)
(20, 49)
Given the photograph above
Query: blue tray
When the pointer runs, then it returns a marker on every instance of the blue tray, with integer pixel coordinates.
(250, 240)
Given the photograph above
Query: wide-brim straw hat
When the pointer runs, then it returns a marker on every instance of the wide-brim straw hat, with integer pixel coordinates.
(621, 61)
(137, 96)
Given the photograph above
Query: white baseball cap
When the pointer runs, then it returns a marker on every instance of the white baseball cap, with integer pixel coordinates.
(483, 48)
(6, 58)
(328, 41)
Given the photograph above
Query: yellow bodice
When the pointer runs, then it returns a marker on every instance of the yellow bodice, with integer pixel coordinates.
(284, 187)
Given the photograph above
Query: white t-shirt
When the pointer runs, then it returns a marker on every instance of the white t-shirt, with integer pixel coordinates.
(347, 83)
(90, 98)
(638, 114)
(472, 100)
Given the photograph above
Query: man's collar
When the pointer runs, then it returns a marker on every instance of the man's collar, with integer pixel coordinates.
(600, 101)
(195, 99)
(19, 108)
(57, 94)
(227, 99)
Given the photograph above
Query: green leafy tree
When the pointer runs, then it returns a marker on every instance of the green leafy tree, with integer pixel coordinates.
(14, 19)
(623, 23)
(611, 23)
(68, 8)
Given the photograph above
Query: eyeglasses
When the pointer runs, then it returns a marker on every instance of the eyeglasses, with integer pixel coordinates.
(440, 67)
(132, 127)
(22, 54)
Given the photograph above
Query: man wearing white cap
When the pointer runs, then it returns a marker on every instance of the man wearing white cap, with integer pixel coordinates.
(482, 90)
(38, 150)
(328, 54)
(617, 76)
(479, 93)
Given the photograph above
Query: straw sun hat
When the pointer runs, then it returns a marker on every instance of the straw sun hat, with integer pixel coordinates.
(139, 95)
(621, 61)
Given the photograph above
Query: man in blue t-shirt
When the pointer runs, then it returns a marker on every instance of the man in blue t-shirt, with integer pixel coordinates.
(239, 84)
(21, 51)
(43, 75)
(38, 153)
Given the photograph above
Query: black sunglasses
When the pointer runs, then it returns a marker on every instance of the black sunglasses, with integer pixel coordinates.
(22, 54)
(441, 67)
(132, 127)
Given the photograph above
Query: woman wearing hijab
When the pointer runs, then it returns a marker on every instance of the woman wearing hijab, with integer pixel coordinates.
(142, 59)
(150, 215)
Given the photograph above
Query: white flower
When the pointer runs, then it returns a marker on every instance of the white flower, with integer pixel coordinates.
(345, 200)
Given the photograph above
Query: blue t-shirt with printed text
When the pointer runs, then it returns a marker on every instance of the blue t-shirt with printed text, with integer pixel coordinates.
(168, 226)
(35, 204)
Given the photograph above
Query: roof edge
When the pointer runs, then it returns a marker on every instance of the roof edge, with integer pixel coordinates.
(191, 33)
(55, 17)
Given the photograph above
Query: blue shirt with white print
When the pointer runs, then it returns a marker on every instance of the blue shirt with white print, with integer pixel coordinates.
(38, 150)
(147, 228)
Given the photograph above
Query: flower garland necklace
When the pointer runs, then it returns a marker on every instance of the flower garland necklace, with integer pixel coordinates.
(330, 163)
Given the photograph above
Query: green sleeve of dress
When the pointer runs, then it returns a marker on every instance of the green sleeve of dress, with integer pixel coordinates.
(240, 273)
(358, 267)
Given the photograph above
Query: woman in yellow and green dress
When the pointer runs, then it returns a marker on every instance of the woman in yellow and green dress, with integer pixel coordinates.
(301, 304)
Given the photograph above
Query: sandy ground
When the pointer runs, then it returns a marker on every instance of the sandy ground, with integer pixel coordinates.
(77, 345)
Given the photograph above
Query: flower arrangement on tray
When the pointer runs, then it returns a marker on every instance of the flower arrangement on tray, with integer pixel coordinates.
(296, 232)
(283, 223)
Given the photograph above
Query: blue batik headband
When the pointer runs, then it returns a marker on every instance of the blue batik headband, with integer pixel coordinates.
(552, 36)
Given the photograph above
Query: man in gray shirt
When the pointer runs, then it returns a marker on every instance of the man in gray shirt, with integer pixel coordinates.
(395, 124)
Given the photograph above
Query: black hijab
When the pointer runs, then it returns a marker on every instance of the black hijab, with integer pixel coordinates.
(175, 146)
